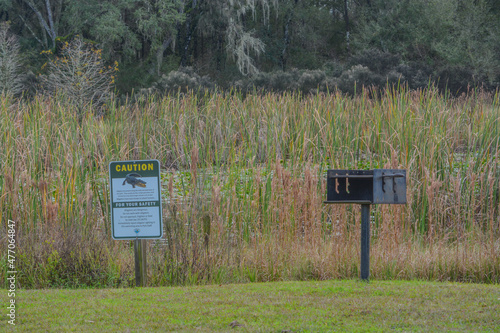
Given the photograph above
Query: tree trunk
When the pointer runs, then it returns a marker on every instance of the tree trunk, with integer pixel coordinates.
(159, 53)
(49, 26)
(190, 28)
(220, 50)
(187, 41)
(52, 33)
(347, 28)
(286, 42)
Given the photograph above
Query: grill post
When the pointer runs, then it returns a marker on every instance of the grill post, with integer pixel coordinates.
(365, 242)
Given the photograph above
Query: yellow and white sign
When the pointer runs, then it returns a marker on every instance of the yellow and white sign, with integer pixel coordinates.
(135, 195)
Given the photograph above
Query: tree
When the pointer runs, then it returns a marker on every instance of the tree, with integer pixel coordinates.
(80, 74)
(227, 19)
(157, 21)
(11, 80)
(111, 23)
(446, 34)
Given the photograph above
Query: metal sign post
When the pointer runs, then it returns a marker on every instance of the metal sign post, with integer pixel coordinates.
(366, 187)
(136, 214)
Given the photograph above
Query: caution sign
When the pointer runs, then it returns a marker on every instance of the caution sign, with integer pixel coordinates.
(135, 194)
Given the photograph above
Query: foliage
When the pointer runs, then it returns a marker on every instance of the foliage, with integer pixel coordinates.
(306, 81)
(358, 77)
(417, 76)
(183, 80)
(80, 74)
(234, 40)
(376, 61)
(157, 21)
(110, 23)
(63, 261)
(458, 79)
(452, 33)
(230, 16)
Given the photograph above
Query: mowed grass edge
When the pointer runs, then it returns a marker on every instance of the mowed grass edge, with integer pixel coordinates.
(313, 306)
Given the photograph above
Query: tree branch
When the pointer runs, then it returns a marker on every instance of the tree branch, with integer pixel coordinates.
(34, 36)
(42, 20)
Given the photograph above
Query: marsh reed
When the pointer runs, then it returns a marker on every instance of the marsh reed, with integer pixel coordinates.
(244, 179)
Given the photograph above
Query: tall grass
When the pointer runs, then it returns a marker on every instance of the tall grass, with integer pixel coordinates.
(244, 179)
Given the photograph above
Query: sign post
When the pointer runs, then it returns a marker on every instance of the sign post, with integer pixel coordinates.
(141, 272)
(366, 187)
(136, 214)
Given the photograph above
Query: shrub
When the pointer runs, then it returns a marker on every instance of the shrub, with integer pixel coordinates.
(359, 76)
(377, 61)
(275, 81)
(333, 68)
(182, 80)
(416, 75)
(307, 81)
(458, 79)
(310, 81)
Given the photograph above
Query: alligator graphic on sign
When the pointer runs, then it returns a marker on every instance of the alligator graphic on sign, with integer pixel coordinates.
(133, 179)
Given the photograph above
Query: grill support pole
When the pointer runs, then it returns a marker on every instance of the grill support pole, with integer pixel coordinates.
(365, 242)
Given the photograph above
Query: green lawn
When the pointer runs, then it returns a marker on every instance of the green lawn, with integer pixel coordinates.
(314, 306)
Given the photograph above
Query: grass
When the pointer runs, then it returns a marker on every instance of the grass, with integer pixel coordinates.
(243, 181)
(313, 306)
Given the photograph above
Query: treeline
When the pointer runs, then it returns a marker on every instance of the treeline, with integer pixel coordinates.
(269, 44)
